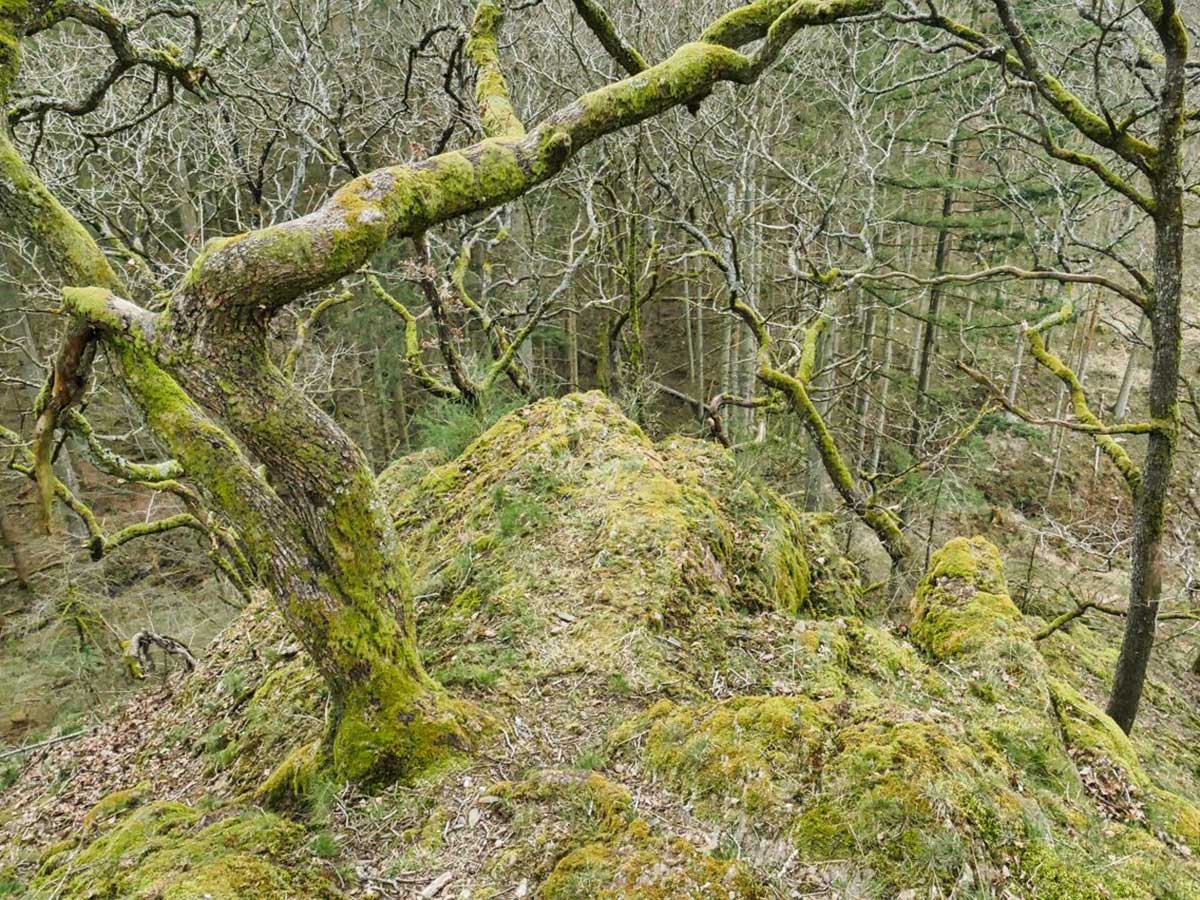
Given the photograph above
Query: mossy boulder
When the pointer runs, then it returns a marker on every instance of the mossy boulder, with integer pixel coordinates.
(565, 538)
(962, 605)
(958, 766)
(170, 851)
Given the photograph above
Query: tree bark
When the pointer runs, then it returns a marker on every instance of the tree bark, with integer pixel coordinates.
(1145, 589)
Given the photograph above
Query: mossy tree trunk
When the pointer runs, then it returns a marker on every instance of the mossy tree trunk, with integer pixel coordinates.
(1145, 589)
(301, 493)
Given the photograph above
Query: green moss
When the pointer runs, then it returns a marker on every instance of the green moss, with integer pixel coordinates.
(115, 804)
(642, 865)
(738, 750)
(763, 538)
(962, 603)
(292, 784)
(491, 89)
(1091, 734)
(173, 852)
(13, 15)
(576, 833)
(34, 212)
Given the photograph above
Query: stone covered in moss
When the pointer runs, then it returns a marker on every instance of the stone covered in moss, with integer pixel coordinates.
(954, 771)
(962, 604)
(169, 851)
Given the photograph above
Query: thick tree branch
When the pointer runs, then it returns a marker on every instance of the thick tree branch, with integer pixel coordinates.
(260, 271)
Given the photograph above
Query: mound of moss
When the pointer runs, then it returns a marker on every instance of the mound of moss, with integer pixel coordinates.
(170, 851)
(564, 539)
(965, 766)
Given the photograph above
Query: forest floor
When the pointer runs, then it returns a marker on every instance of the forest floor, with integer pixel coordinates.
(689, 695)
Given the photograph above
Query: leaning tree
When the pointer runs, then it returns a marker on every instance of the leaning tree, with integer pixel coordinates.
(199, 366)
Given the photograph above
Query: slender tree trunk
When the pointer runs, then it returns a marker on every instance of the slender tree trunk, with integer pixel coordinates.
(1145, 589)
(1085, 345)
(862, 412)
(364, 414)
(1122, 405)
(400, 406)
(380, 406)
(815, 474)
(1014, 378)
(688, 335)
(881, 426)
(9, 537)
(572, 352)
(929, 334)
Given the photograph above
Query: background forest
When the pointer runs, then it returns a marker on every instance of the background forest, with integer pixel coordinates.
(899, 278)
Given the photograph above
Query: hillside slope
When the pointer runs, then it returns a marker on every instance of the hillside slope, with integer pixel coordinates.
(677, 695)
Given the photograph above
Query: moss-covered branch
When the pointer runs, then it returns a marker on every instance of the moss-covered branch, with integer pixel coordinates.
(1115, 452)
(602, 26)
(1024, 63)
(1135, 297)
(795, 388)
(127, 54)
(99, 542)
(272, 267)
(114, 464)
(501, 346)
(304, 326)
(496, 113)
(412, 343)
(427, 277)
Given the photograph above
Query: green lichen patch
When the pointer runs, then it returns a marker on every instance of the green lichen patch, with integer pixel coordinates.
(115, 804)
(294, 781)
(1092, 735)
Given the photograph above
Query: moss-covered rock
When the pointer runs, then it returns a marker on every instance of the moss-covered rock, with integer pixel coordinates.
(169, 851)
(962, 604)
(954, 771)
